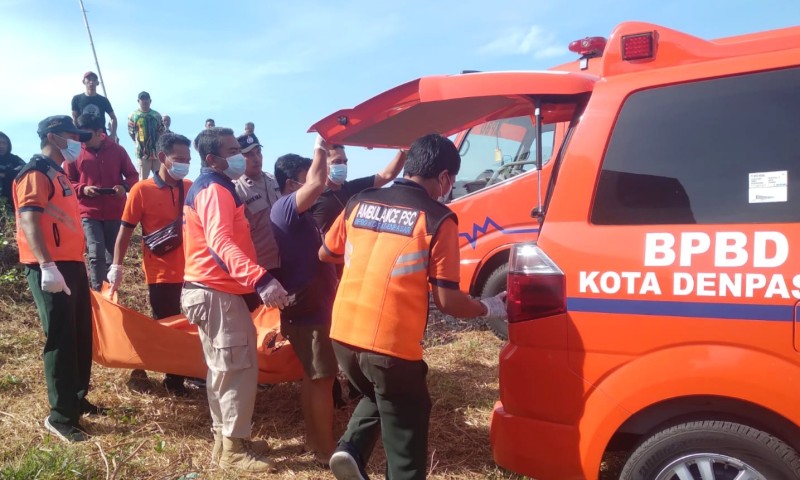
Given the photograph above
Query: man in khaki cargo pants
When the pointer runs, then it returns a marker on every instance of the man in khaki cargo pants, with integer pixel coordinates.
(220, 270)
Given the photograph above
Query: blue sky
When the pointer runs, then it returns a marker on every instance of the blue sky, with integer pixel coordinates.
(285, 65)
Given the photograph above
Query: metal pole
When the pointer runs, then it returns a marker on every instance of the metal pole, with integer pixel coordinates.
(91, 42)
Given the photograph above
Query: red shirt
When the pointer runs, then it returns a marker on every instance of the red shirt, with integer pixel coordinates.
(106, 167)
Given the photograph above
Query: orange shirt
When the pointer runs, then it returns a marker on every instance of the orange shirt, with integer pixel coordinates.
(43, 187)
(155, 204)
(217, 247)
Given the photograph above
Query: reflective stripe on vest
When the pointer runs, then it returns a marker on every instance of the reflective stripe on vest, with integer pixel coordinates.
(419, 259)
(382, 301)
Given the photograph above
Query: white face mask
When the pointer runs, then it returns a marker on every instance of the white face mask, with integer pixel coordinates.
(236, 166)
(178, 170)
(73, 150)
(443, 197)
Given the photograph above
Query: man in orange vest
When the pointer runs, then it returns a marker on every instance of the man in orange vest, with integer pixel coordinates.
(51, 245)
(396, 242)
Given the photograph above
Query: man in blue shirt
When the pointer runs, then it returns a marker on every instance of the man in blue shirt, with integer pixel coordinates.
(311, 285)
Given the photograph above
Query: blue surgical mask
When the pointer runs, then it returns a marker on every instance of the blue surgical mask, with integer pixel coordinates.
(178, 171)
(236, 166)
(73, 150)
(338, 173)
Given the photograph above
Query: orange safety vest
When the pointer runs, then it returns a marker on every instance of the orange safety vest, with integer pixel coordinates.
(382, 301)
(60, 222)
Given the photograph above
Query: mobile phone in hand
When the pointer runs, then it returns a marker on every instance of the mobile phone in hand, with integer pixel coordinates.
(106, 191)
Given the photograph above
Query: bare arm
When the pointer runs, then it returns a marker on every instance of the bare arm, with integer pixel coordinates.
(315, 181)
(132, 127)
(392, 169)
(457, 303)
(121, 246)
(29, 221)
(113, 117)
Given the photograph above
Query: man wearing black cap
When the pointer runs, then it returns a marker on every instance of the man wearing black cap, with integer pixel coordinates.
(51, 246)
(93, 103)
(259, 191)
(145, 126)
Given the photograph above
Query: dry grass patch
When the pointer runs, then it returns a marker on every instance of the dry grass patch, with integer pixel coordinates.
(149, 434)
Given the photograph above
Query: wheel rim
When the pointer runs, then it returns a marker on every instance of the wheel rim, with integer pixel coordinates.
(709, 466)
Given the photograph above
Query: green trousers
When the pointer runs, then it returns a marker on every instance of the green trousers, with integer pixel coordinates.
(396, 406)
(67, 324)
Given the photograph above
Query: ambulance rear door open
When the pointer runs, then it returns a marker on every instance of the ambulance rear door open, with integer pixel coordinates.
(450, 104)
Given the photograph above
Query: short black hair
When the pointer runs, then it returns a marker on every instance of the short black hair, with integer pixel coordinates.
(208, 142)
(91, 122)
(211, 120)
(431, 155)
(167, 141)
(289, 166)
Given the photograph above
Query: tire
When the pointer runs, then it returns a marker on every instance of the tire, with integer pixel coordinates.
(496, 283)
(722, 449)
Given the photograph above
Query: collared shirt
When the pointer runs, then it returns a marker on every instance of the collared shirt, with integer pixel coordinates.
(155, 204)
(217, 247)
(259, 195)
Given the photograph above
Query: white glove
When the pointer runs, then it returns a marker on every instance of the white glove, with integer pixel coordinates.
(115, 274)
(273, 294)
(320, 143)
(52, 280)
(495, 306)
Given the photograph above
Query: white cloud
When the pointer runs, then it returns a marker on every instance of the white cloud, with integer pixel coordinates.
(533, 41)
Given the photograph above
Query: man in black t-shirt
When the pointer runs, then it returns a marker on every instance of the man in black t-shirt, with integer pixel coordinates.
(93, 103)
(338, 190)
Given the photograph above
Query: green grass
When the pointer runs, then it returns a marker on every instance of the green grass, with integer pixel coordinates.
(50, 461)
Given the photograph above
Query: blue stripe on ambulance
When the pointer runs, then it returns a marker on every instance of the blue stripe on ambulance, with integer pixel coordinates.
(735, 311)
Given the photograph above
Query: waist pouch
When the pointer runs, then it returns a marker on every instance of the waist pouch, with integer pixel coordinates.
(165, 240)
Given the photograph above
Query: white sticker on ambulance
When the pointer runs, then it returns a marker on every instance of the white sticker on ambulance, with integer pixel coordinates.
(767, 187)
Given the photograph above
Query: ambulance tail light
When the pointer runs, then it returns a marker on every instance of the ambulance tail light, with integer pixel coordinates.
(536, 286)
(638, 46)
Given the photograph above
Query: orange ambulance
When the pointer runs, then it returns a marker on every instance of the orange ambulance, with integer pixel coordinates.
(657, 313)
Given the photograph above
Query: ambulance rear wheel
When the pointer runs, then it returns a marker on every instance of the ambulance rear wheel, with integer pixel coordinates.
(496, 283)
(712, 450)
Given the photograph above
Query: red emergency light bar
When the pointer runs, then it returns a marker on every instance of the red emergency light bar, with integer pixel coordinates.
(638, 46)
(589, 46)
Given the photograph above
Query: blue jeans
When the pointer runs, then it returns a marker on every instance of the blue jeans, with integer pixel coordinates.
(101, 235)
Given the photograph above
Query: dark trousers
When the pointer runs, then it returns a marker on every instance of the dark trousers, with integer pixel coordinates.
(396, 405)
(165, 301)
(101, 235)
(67, 324)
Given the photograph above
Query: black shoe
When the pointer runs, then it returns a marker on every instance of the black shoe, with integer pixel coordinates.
(138, 375)
(88, 408)
(345, 463)
(174, 384)
(65, 432)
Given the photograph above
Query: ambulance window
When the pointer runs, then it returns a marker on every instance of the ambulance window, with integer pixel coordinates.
(687, 154)
(504, 146)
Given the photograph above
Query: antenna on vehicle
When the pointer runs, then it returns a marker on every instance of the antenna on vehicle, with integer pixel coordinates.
(91, 42)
